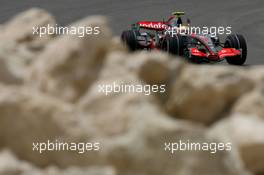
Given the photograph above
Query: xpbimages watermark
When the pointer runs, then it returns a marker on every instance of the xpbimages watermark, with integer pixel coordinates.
(80, 31)
(213, 147)
(145, 89)
(56, 145)
(212, 30)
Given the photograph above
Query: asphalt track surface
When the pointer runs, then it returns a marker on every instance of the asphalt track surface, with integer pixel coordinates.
(244, 16)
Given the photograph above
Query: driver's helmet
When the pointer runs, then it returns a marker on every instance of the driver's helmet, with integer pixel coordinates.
(176, 22)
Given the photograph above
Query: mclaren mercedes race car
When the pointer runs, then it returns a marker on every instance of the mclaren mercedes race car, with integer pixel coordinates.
(197, 48)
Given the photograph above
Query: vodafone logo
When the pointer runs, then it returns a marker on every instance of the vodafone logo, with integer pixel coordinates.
(153, 25)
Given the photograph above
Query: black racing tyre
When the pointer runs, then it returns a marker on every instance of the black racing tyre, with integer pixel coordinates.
(129, 37)
(238, 42)
(173, 45)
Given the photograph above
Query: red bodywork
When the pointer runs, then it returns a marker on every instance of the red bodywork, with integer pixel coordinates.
(228, 52)
(225, 52)
(210, 54)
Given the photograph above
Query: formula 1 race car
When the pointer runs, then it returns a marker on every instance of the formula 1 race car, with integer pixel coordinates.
(197, 48)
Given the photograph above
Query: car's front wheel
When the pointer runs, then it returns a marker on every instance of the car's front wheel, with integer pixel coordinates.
(238, 42)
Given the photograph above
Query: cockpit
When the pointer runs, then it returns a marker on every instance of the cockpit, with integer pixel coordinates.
(202, 42)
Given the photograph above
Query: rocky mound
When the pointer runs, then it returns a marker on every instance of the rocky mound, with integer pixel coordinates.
(49, 91)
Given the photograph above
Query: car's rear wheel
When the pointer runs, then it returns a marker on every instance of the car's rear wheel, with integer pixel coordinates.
(238, 42)
(129, 37)
(173, 45)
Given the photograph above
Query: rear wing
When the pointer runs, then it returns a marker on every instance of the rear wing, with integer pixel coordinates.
(150, 25)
